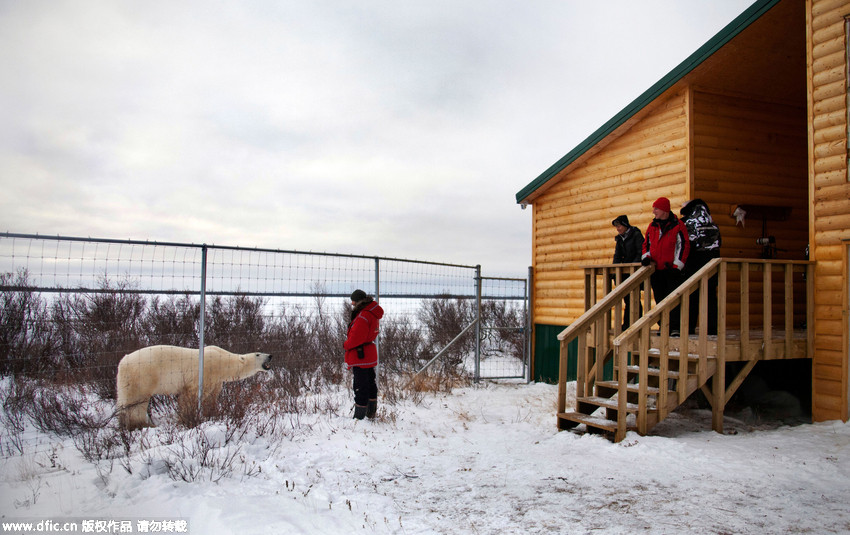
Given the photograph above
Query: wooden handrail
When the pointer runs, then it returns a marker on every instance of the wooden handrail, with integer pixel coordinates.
(606, 304)
(637, 335)
(584, 325)
(669, 302)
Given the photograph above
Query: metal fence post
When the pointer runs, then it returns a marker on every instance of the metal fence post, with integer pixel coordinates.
(378, 298)
(201, 326)
(478, 285)
(529, 281)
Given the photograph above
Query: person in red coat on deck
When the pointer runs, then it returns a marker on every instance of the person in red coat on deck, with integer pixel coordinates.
(361, 355)
(667, 246)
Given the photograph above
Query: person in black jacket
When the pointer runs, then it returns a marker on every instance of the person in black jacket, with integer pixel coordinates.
(629, 241)
(628, 250)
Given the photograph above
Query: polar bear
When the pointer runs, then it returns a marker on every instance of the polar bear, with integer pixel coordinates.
(174, 370)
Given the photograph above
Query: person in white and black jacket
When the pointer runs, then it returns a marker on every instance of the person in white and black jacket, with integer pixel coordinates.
(705, 243)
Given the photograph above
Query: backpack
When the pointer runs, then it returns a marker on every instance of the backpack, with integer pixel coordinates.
(706, 237)
(702, 231)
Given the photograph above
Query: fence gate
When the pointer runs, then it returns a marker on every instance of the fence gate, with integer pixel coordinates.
(502, 335)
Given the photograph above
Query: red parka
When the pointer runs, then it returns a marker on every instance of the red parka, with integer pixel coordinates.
(362, 331)
(666, 243)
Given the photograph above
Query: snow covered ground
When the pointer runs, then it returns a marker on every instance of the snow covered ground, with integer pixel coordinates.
(483, 459)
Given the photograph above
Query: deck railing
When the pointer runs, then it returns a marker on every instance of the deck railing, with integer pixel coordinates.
(778, 310)
(596, 323)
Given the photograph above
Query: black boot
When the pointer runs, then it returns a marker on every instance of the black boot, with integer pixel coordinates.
(359, 412)
(371, 408)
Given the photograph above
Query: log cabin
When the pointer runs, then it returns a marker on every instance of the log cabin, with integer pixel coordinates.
(754, 121)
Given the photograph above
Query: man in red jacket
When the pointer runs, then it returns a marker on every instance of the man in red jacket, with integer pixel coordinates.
(361, 355)
(666, 245)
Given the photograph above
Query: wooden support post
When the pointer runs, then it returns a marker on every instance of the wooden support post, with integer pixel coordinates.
(589, 288)
(810, 310)
(745, 310)
(720, 376)
(599, 348)
(789, 311)
(718, 404)
(767, 313)
(562, 378)
(643, 366)
(581, 365)
(663, 372)
(622, 386)
(606, 289)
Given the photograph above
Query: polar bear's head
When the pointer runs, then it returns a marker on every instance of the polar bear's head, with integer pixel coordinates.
(262, 361)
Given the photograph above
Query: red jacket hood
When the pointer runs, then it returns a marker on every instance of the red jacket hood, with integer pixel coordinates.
(375, 309)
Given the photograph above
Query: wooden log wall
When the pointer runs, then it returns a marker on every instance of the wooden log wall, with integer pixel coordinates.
(748, 152)
(830, 197)
(727, 150)
(572, 219)
(752, 153)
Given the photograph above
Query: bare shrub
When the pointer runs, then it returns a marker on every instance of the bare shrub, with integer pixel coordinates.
(96, 444)
(438, 382)
(194, 457)
(172, 321)
(235, 323)
(330, 333)
(290, 340)
(401, 344)
(17, 394)
(444, 319)
(397, 387)
(237, 401)
(505, 333)
(65, 412)
(97, 329)
(27, 341)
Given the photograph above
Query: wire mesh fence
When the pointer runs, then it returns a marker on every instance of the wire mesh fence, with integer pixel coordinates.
(73, 307)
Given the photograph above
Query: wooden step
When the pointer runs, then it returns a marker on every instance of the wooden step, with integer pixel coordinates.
(630, 387)
(674, 355)
(592, 422)
(608, 403)
(635, 370)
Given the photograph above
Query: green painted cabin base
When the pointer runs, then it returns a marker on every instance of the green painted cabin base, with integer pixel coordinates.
(547, 351)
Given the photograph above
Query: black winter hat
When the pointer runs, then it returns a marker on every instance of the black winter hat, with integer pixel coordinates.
(621, 220)
(358, 295)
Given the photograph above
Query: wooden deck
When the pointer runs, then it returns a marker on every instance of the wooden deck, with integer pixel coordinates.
(653, 372)
(779, 347)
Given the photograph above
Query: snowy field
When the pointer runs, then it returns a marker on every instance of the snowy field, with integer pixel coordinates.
(483, 459)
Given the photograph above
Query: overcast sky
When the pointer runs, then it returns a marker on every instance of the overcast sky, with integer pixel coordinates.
(386, 128)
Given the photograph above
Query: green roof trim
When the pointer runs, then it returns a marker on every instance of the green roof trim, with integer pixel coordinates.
(750, 15)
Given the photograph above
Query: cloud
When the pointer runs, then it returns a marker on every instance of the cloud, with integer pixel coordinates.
(399, 129)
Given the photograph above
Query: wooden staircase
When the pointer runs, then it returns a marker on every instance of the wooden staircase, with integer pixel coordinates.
(599, 411)
(653, 373)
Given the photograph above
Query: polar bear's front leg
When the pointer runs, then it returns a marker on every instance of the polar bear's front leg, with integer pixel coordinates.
(135, 415)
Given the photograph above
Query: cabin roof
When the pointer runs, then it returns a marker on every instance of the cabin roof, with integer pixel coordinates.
(750, 15)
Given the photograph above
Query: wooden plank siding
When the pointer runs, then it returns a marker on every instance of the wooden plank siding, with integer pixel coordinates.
(762, 121)
(829, 194)
(695, 144)
(572, 219)
(751, 152)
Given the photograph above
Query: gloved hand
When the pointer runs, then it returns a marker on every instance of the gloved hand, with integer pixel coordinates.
(645, 261)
